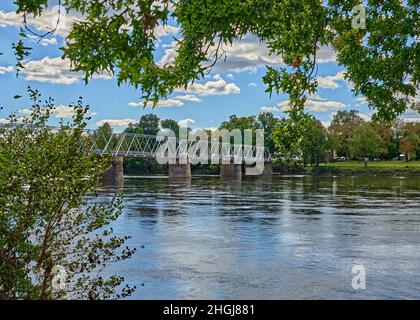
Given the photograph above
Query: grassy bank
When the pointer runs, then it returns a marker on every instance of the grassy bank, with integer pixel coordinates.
(373, 168)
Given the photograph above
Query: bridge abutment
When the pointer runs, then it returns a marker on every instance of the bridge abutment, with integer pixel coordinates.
(230, 171)
(114, 175)
(179, 171)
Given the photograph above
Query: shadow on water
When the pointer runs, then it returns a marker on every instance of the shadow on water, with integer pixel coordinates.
(277, 237)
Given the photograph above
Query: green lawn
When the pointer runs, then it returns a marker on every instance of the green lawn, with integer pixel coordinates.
(383, 164)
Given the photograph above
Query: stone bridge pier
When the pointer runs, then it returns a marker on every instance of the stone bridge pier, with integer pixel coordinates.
(179, 170)
(230, 171)
(114, 174)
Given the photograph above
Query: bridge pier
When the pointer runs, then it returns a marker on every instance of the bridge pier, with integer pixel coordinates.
(179, 171)
(268, 168)
(114, 175)
(231, 171)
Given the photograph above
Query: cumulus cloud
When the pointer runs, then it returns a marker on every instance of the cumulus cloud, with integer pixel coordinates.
(270, 109)
(252, 84)
(53, 70)
(185, 122)
(44, 41)
(44, 23)
(7, 69)
(411, 116)
(163, 31)
(315, 105)
(247, 54)
(188, 97)
(325, 55)
(210, 88)
(49, 18)
(218, 86)
(116, 122)
(361, 101)
(330, 82)
(60, 112)
(166, 103)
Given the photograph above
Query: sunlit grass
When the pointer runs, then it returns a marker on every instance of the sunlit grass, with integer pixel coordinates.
(358, 164)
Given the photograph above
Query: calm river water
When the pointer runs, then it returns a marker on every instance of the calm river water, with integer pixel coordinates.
(285, 237)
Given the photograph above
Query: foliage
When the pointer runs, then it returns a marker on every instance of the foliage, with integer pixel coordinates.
(171, 125)
(410, 143)
(366, 142)
(343, 127)
(148, 124)
(288, 134)
(119, 37)
(268, 122)
(314, 142)
(46, 219)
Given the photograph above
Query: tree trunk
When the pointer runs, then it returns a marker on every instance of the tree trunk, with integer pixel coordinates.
(366, 160)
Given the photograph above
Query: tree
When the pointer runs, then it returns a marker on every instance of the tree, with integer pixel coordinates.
(102, 136)
(268, 122)
(343, 127)
(148, 124)
(170, 124)
(366, 143)
(384, 130)
(54, 243)
(313, 143)
(119, 37)
(240, 123)
(410, 143)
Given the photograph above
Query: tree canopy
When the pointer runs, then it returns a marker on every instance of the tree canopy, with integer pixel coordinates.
(119, 37)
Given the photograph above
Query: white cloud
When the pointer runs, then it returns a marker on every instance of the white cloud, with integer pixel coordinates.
(230, 76)
(44, 41)
(189, 97)
(53, 70)
(361, 101)
(166, 103)
(49, 18)
(252, 84)
(325, 55)
(60, 112)
(270, 109)
(316, 96)
(7, 69)
(411, 116)
(44, 23)
(185, 122)
(116, 122)
(247, 54)
(315, 105)
(163, 31)
(330, 82)
(210, 88)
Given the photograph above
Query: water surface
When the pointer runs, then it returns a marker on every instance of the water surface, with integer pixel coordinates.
(275, 238)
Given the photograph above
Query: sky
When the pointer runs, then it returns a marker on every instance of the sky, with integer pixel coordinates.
(233, 87)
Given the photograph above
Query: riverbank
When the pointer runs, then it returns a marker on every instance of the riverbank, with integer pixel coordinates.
(351, 168)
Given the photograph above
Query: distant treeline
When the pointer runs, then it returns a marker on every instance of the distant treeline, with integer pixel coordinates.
(348, 136)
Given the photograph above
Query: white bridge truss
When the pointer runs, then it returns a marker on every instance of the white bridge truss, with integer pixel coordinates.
(148, 146)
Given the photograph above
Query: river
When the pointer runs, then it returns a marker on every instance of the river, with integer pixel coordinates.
(272, 238)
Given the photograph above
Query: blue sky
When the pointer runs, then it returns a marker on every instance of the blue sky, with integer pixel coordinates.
(233, 87)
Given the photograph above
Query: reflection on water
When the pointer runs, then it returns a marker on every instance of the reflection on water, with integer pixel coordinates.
(283, 237)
